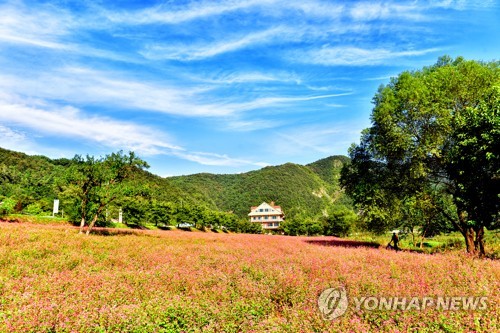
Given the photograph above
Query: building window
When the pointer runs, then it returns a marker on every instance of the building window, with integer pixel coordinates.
(274, 217)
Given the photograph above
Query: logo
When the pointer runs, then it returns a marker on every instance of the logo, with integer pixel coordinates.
(333, 302)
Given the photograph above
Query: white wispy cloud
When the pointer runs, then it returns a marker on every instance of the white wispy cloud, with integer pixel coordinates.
(335, 105)
(412, 11)
(265, 102)
(55, 29)
(71, 122)
(17, 140)
(330, 88)
(82, 85)
(252, 125)
(91, 87)
(380, 78)
(171, 14)
(216, 159)
(371, 10)
(326, 139)
(175, 14)
(315, 141)
(249, 77)
(355, 56)
(10, 134)
(190, 52)
(354, 19)
(464, 4)
(42, 28)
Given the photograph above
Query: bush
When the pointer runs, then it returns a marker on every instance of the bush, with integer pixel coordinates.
(7, 206)
(33, 209)
(339, 221)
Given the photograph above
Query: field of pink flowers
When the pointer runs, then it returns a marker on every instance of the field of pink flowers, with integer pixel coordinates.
(54, 280)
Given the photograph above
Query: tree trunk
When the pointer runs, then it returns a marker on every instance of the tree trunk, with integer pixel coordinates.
(102, 205)
(84, 213)
(424, 232)
(469, 240)
(479, 242)
(473, 245)
(82, 224)
(467, 232)
(91, 225)
(96, 216)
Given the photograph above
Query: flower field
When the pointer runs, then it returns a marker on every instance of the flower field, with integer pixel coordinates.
(54, 280)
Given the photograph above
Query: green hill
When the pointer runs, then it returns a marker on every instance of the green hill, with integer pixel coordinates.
(29, 178)
(328, 169)
(39, 179)
(309, 188)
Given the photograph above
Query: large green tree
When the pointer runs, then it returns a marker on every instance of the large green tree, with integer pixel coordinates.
(97, 182)
(434, 132)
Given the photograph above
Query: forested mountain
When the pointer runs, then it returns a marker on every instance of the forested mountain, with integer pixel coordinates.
(328, 169)
(29, 178)
(35, 181)
(308, 188)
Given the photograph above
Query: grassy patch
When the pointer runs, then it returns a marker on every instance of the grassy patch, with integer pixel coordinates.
(35, 219)
(437, 244)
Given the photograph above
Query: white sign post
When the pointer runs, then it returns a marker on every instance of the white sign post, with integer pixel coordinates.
(120, 216)
(56, 207)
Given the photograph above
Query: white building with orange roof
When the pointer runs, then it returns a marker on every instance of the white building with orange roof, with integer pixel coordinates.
(268, 215)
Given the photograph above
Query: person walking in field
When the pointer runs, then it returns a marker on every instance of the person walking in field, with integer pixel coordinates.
(395, 241)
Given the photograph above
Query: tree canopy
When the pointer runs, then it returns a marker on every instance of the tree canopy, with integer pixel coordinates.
(97, 182)
(434, 135)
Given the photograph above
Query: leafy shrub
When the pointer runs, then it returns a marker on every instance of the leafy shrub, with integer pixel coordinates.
(34, 209)
(340, 221)
(7, 206)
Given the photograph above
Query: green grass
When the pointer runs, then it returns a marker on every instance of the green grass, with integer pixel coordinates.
(442, 243)
(35, 219)
(119, 225)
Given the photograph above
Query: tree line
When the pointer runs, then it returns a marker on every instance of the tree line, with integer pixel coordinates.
(93, 189)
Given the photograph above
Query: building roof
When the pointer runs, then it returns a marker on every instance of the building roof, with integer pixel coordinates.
(271, 210)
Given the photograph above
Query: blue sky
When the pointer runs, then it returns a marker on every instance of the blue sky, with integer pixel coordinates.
(216, 86)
